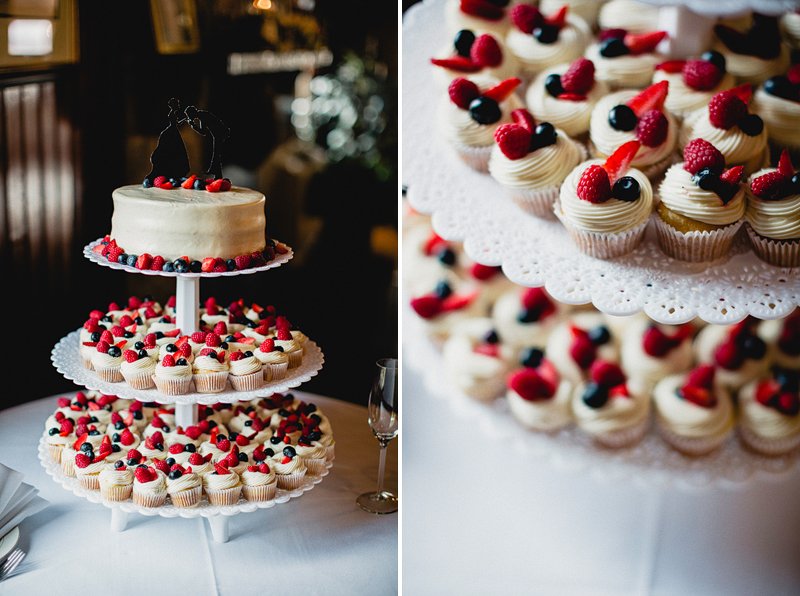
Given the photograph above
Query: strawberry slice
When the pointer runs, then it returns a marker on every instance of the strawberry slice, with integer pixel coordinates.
(483, 9)
(733, 175)
(221, 468)
(699, 396)
(432, 245)
(492, 350)
(618, 162)
(572, 97)
(503, 89)
(743, 92)
(652, 98)
(483, 272)
(559, 18)
(671, 66)
(785, 166)
(427, 306)
(80, 441)
(620, 390)
(643, 43)
(524, 118)
(457, 302)
(173, 333)
(702, 376)
(458, 63)
(767, 391)
(531, 385)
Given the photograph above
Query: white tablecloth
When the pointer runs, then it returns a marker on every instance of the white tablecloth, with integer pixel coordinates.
(482, 518)
(320, 543)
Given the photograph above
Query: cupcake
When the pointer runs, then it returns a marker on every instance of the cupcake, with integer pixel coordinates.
(177, 350)
(769, 420)
(630, 115)
(476, 360)
(525, 316)
(184, 487)
(314, 455)
(222, 486)
(474, 110)
(173, 377)
(539, 398)
(88, 467)
(137, 369)
(211, 371)
(694, 414)
(68, 461)
(539, 42)
(475, 54)
(107, 362)
(201, 465)
(726, 123)
(290, 346)
(605, 206)
(565, 95)
(773, 214)
(737, 351)
(777, 102)
(585, 9)
(116, 484)
(784, 335)
(273, 361)
(153, 446)
(790, 26)
(625, 60)
(149, 486)
(692, 83)
(753, 55)
(57, 437)
(531, 161)
(289, 468)
(477, 15)
(702, 205)
(575, 344)
(259, 483)
(613, 411)
(245, 371)
(636, 17)
(442, 305)
(650, 351)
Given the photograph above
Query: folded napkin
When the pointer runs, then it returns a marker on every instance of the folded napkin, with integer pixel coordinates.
(17, 500)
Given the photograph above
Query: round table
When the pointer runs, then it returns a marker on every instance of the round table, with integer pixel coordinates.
(320, 543)
(511, 524)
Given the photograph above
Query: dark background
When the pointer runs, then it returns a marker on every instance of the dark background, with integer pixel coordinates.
(342, 292)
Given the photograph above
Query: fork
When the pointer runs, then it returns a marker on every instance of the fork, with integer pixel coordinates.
(13, 560)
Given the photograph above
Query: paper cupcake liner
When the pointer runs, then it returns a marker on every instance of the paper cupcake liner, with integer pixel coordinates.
(766, 446)
(291, 481)
(139, 380)
(781, 253)
(316, 465)
(68, 467)
(475, 157)
(172, 386)
(55, 452)
(536, 201)
(110, 374)
(187, 498)
(695, 247)
(485, 390)
(87, 363)
(295, 358)
(330, 452)
(694, 446)
(603, 246)
(149, 499)
(260, 493)
(117, 493)
(89, 481)
(275, 372)
(249, 382)
(226, 496)
(211, 382)
(624, 437)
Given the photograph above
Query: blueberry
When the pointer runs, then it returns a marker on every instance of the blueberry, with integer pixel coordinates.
(165, 428)
(147, 183)
(114, 352)
(175, 182)
(248, 353)
(130, 462)
(599, 335)
(278, 349)
(221, 437)
(116, 448)
(546, 34)
(199, 184)
(311, 408)
(212, 423)
(195, 266)
(171, 461)
(159, 335)
(140, 466)
(621, 117)
(284, 413)
(229, 338)
(230, 265)
(137, 415)
(706, 179)
(118, 464)
(95, 337)
(131, 261)
(315, 435)
(779, 86)
(500, 3)
(189, 448)
(484, 110)
(174, 474)
(491, 337)
(248, 423)
(751, 125)
(119, 425)
(171, 348)
(316, 418)
(626, 189)
(127, 335)
(275, 439)
(715, 58)
(233, 435)
(53, 431)
(789, 380)
(543, 135)
(754, 347)
(531, 357)
(595, 396)
(613, 47)
(443, 290)
(169, 267)
(181, 362)
(138, 321)
(269, 452)
(139, 345)
(447, 257)
(289, 451)
(180, 265)
(142, 353)
(243, 456)
(463, 42)
(163, 320)
(251, 324)
(86, 447)
(795, 182)
(115, 437)
(122, 258)
(553, 85)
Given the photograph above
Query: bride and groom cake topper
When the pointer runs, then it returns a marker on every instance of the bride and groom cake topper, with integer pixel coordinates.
(170, 158)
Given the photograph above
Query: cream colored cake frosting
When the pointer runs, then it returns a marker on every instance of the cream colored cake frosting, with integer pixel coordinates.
(647, 369)
(782, 117)
(636, 17)
(779, 219)
(534, 56)
(560, 341)
(705, 345)
(737, 147)
(752, 69)
(679, 192)
(457, 19)
(585, 9)
(682, 99)
(762, 420)
(687, 419)
(458, 126)
(546, 167)
(619, 412)
(628, 71)
(195, 223)
(545, 414)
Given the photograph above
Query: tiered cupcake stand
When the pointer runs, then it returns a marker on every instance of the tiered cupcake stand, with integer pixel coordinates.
(66, 359)
(470, 207)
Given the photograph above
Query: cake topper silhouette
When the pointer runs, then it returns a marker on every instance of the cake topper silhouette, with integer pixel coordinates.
(170, 161)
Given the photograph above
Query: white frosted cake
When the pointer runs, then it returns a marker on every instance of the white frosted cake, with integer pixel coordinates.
(187, 222)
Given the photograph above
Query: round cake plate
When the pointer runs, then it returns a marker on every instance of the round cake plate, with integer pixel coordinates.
(471, 207)
(66, 358)
(96, 258)
(649, 464)
(217, 515)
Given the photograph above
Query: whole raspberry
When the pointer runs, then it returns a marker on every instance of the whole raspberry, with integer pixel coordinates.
(158, 263)
(579, 77)
(699, 154)
(652, 128)
(526, 17)
(594, 185)
(606, 374)
(725, 110)
(513, 140)
(82, 460)
(701, 75)
(462, 92)
(199, 337)
(485, 51)
(130, 356)
(242, 262)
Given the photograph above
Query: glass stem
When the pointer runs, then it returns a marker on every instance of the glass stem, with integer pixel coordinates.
(381, 466)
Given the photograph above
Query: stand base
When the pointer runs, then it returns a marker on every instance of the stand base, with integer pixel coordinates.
(217, 523)
(378, 502)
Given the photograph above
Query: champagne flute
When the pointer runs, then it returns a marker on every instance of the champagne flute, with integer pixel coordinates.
(383, 419)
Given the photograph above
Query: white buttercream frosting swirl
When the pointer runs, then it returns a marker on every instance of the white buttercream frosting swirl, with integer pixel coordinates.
(618, 413)
(140, 366)
(752, 69)
(779, 219)
(535, 56)
(544, 414)
(245, 366)
(737, 147)
(688, 419)
(221, 481)
(186, 481)
(103, 360)
(177, 371)
(782, 117)
(636, 17)
(294, 465)
(627, 71)
(113, 477)
(207, 364)
(680, 194)
(763, 420)
(546, 167)
(258, 478)
(682, 99)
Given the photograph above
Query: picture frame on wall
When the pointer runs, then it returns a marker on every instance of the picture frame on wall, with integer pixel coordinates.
(38, 34)
(175, 26)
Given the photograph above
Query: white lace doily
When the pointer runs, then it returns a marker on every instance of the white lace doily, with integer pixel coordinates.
(729, 7)
(471, 207)
(204, 509)
(100, 260)
(67, 360)
(650, 463)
